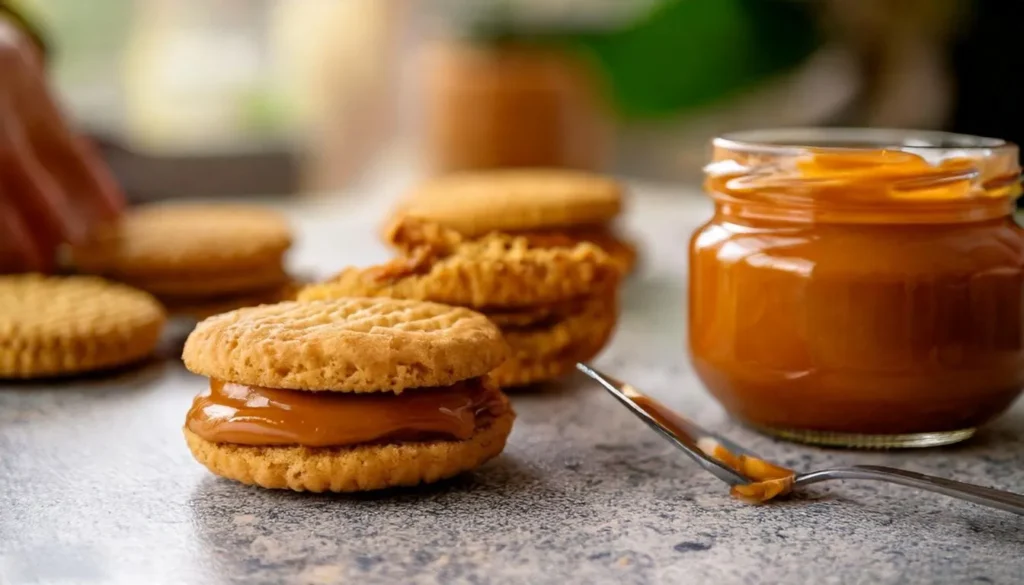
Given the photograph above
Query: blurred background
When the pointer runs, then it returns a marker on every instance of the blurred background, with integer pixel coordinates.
(233, 97)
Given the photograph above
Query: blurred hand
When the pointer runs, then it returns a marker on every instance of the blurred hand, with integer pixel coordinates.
(53, 187)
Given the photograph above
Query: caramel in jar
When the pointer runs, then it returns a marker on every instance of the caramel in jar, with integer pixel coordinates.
(860, 288)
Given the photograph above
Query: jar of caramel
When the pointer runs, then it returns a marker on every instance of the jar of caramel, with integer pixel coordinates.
(502, 105)
(860, 288)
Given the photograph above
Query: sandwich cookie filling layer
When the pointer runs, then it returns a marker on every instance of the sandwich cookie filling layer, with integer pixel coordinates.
(250, 415)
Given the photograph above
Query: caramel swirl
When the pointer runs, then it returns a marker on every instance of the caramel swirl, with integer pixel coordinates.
(249, 415)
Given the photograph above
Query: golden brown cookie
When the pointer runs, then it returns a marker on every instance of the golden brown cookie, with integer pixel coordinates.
(495, 270)
(519, 373)
(622, 251)
(355, 468)
(191, 249)
(199, 309)
(593, 320)
(346, 345)
(513, 200)
(54, 326)
(525, 370)
(526, 316)
(546, 352)
(200, 286)
(406, 234)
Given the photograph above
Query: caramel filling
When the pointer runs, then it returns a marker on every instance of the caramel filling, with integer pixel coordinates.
(249, 415)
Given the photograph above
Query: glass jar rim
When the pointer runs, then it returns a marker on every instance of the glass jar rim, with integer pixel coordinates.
(794, 140)
(863, 174)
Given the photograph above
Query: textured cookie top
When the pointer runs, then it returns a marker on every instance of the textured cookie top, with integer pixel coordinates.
(36, 309)
(59, 325)
(346, 345)
(495, 271)
(155, 240)
(474, 203)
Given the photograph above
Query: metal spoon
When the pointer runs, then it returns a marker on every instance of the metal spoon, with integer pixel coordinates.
(693, 440)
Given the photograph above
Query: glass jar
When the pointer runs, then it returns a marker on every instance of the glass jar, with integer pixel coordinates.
(499, 105)
(860, 288)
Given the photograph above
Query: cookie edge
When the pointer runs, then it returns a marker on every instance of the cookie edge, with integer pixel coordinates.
(351, 469)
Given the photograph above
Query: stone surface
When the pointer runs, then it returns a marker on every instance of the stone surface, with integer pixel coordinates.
(96, 485)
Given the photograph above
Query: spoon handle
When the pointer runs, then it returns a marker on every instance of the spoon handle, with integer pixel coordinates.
(993, 498)
(665, 422)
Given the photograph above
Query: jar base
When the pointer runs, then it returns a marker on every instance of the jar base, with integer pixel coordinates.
(861, 441)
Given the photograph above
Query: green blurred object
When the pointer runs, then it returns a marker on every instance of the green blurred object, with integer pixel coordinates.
(262, 112)
(689, 53)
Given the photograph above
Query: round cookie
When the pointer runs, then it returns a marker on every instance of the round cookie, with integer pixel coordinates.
(54, 326)
(546, 353)
(593, 320)
(621, 251)
(193, 249)
(408, 233)
(527, 316)
(496, 270)
(350, 469)
(512, 200)
(346, 345)
(523, 371)
(200, 286)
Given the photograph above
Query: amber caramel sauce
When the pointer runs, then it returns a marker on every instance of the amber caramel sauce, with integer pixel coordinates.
(768, 481)
(867, 292)
(249, 415)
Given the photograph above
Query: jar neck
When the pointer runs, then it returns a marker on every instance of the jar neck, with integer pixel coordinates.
(958, 212)
(880, 186)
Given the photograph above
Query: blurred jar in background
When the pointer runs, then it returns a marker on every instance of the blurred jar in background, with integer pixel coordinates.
(612, 86)
(494, 105)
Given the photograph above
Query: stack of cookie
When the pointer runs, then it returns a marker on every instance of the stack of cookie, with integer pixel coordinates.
(59, 326)
(554, 305)
(551, 208)
(198, 260)
(348, 395)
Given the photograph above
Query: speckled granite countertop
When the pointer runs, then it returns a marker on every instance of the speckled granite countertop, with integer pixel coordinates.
(96, 484)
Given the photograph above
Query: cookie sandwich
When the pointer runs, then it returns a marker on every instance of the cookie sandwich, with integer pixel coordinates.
(61, 326)
(197, 260)
(346, 395)
(550, 207)
(554, 305)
